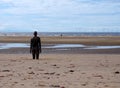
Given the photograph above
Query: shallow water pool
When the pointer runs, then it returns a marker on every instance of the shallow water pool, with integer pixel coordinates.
(57, 46)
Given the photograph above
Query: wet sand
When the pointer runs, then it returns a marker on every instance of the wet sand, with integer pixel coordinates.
(61, 51)
(86, 40)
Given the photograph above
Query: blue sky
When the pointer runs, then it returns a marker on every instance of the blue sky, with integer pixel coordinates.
(60, 15)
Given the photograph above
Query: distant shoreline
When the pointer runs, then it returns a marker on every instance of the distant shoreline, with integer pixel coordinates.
(61, 33)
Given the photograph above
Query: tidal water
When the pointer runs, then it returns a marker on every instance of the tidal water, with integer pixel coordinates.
(13, 45)
(57, 46)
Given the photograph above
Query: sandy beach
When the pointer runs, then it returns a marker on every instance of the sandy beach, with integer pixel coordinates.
(60, 71)
(74, 68)
(78, 42)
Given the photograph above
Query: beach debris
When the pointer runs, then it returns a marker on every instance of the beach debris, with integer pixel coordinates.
(58, 74)
(30, 67)
(54, 65)
(15, 82)
(83, 84)
(106, 85)
(99, 76)
(71, 71)
(117, 72)
(52, 73)
(5, 70)
(56, 86)
(31, 72)
(1, 76)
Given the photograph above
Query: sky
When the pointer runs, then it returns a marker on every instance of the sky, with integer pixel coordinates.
(60, 15)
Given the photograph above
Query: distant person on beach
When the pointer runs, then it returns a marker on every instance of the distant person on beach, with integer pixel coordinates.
(35, 46)
(61, 35)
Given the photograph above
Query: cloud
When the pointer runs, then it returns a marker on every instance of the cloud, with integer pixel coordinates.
(60, 7)
(49, 7)
(59, 14)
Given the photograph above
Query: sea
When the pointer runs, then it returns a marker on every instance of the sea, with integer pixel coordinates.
(61, 33)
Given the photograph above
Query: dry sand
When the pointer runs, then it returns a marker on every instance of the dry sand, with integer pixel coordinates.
(60, 71)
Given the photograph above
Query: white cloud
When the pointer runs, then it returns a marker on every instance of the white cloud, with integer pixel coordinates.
(59, 7)
(58, 14)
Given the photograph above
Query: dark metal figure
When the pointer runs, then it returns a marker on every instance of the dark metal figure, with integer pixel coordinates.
(35, 46)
